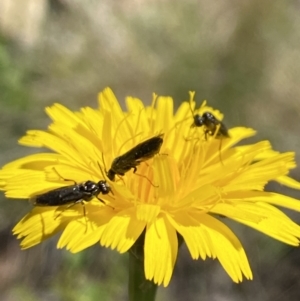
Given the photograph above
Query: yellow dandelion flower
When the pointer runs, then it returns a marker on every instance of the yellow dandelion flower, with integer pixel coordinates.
(183, 188)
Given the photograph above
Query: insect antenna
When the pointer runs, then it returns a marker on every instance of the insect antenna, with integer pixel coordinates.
(103, 175)
(124, 143)
(66, 180)
(118, 127)
(105, 170)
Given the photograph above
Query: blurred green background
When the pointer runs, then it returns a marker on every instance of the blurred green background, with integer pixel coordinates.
(242, 56)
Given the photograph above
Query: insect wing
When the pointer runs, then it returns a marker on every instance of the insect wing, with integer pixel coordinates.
(223, 132)
(212, 124)
(122, 164)
(137, 154)
(148, 149)
(59, 196)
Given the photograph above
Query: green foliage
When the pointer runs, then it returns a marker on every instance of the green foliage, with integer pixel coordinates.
(13, 88)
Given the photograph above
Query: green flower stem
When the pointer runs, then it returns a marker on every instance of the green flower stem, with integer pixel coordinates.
(140, 289)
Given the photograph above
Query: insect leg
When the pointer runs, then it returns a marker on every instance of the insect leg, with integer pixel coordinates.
(206, 133)
(220, 155)
(101, 200)
(71, 205)
(220, 144)
(138, 174)
(104, 202)
(119, 176)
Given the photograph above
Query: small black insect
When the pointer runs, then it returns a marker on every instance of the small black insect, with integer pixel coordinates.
(211, 124)
(141, 152)
(72, 194)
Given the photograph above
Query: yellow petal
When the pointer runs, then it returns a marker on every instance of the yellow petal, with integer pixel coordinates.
(147, 212)
(287, 181)
(276, 224)
(195, 237)
(161, 247)
(37, 226)
(261, 196)
(59, 113)
(227, 247)
(122, 231)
